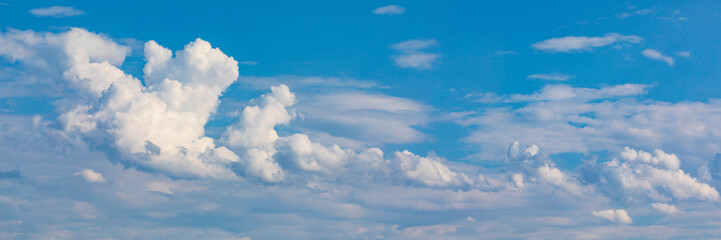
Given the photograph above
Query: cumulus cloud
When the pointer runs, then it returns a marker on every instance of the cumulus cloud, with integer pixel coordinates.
(90, 176)
(412, 55)
(389, 10)
(656, 175)
(539, 169)
(665, 208)
(614, 216)
(550, 76)
(583, 43)
(56, 11)
(160, 125)
(429, 171)
(656, 55)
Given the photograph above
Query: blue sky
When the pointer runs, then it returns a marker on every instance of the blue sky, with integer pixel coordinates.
(360, 120)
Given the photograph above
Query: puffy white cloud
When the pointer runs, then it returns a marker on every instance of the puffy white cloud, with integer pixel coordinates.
(665, 208)
(389, 10)
(656, 55)
(661, 159)
(161, 125)
(429, 170)
(59, 52)
(255, 133)
(656, 175)
(90, 175)
(412, 54)
(614, 216)
(56, 11)
(550, 76)
(583, 43)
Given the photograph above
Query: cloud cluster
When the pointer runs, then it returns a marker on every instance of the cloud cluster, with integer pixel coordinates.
(563, 119)
(158, 125)
(578, 44)
(655, 175)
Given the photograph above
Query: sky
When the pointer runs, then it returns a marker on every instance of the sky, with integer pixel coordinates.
(360, 120)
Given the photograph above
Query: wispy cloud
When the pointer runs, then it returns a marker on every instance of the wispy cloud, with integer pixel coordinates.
(583, 43)
(682, 53)
(640, 12)
(389, 10)
(412, 54)
(656, 55)
(506, 52)
(56, 11)
(550, 76)
(248, 62)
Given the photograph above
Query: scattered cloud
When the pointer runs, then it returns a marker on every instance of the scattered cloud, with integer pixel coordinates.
(685, 54)
(656, 55)
(506, 52)
(614, 216)
(248, 62)
(579, 44)
(412, 54)
(640, 12)
(389, 10)
(665, 208)
(56, 11)
(562, 92)
(90, 176)
(550, 76)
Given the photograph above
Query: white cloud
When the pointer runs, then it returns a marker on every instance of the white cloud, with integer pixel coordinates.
(562, 92)
(640, 12)
(305, 82)
(656, 55)
(56, 11)
(656, 175)
(90, 176)
(554, 176)
(550, 76)
(665, 208)
(614, 216)
(685, 54)
(161, 187)
(429, 171)
(373, 119)
(389, 10)
(570, 119)
(248, 62)
(422, 61)
(583, 43)
(506, 52)
(412, 54)
(181, 94)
